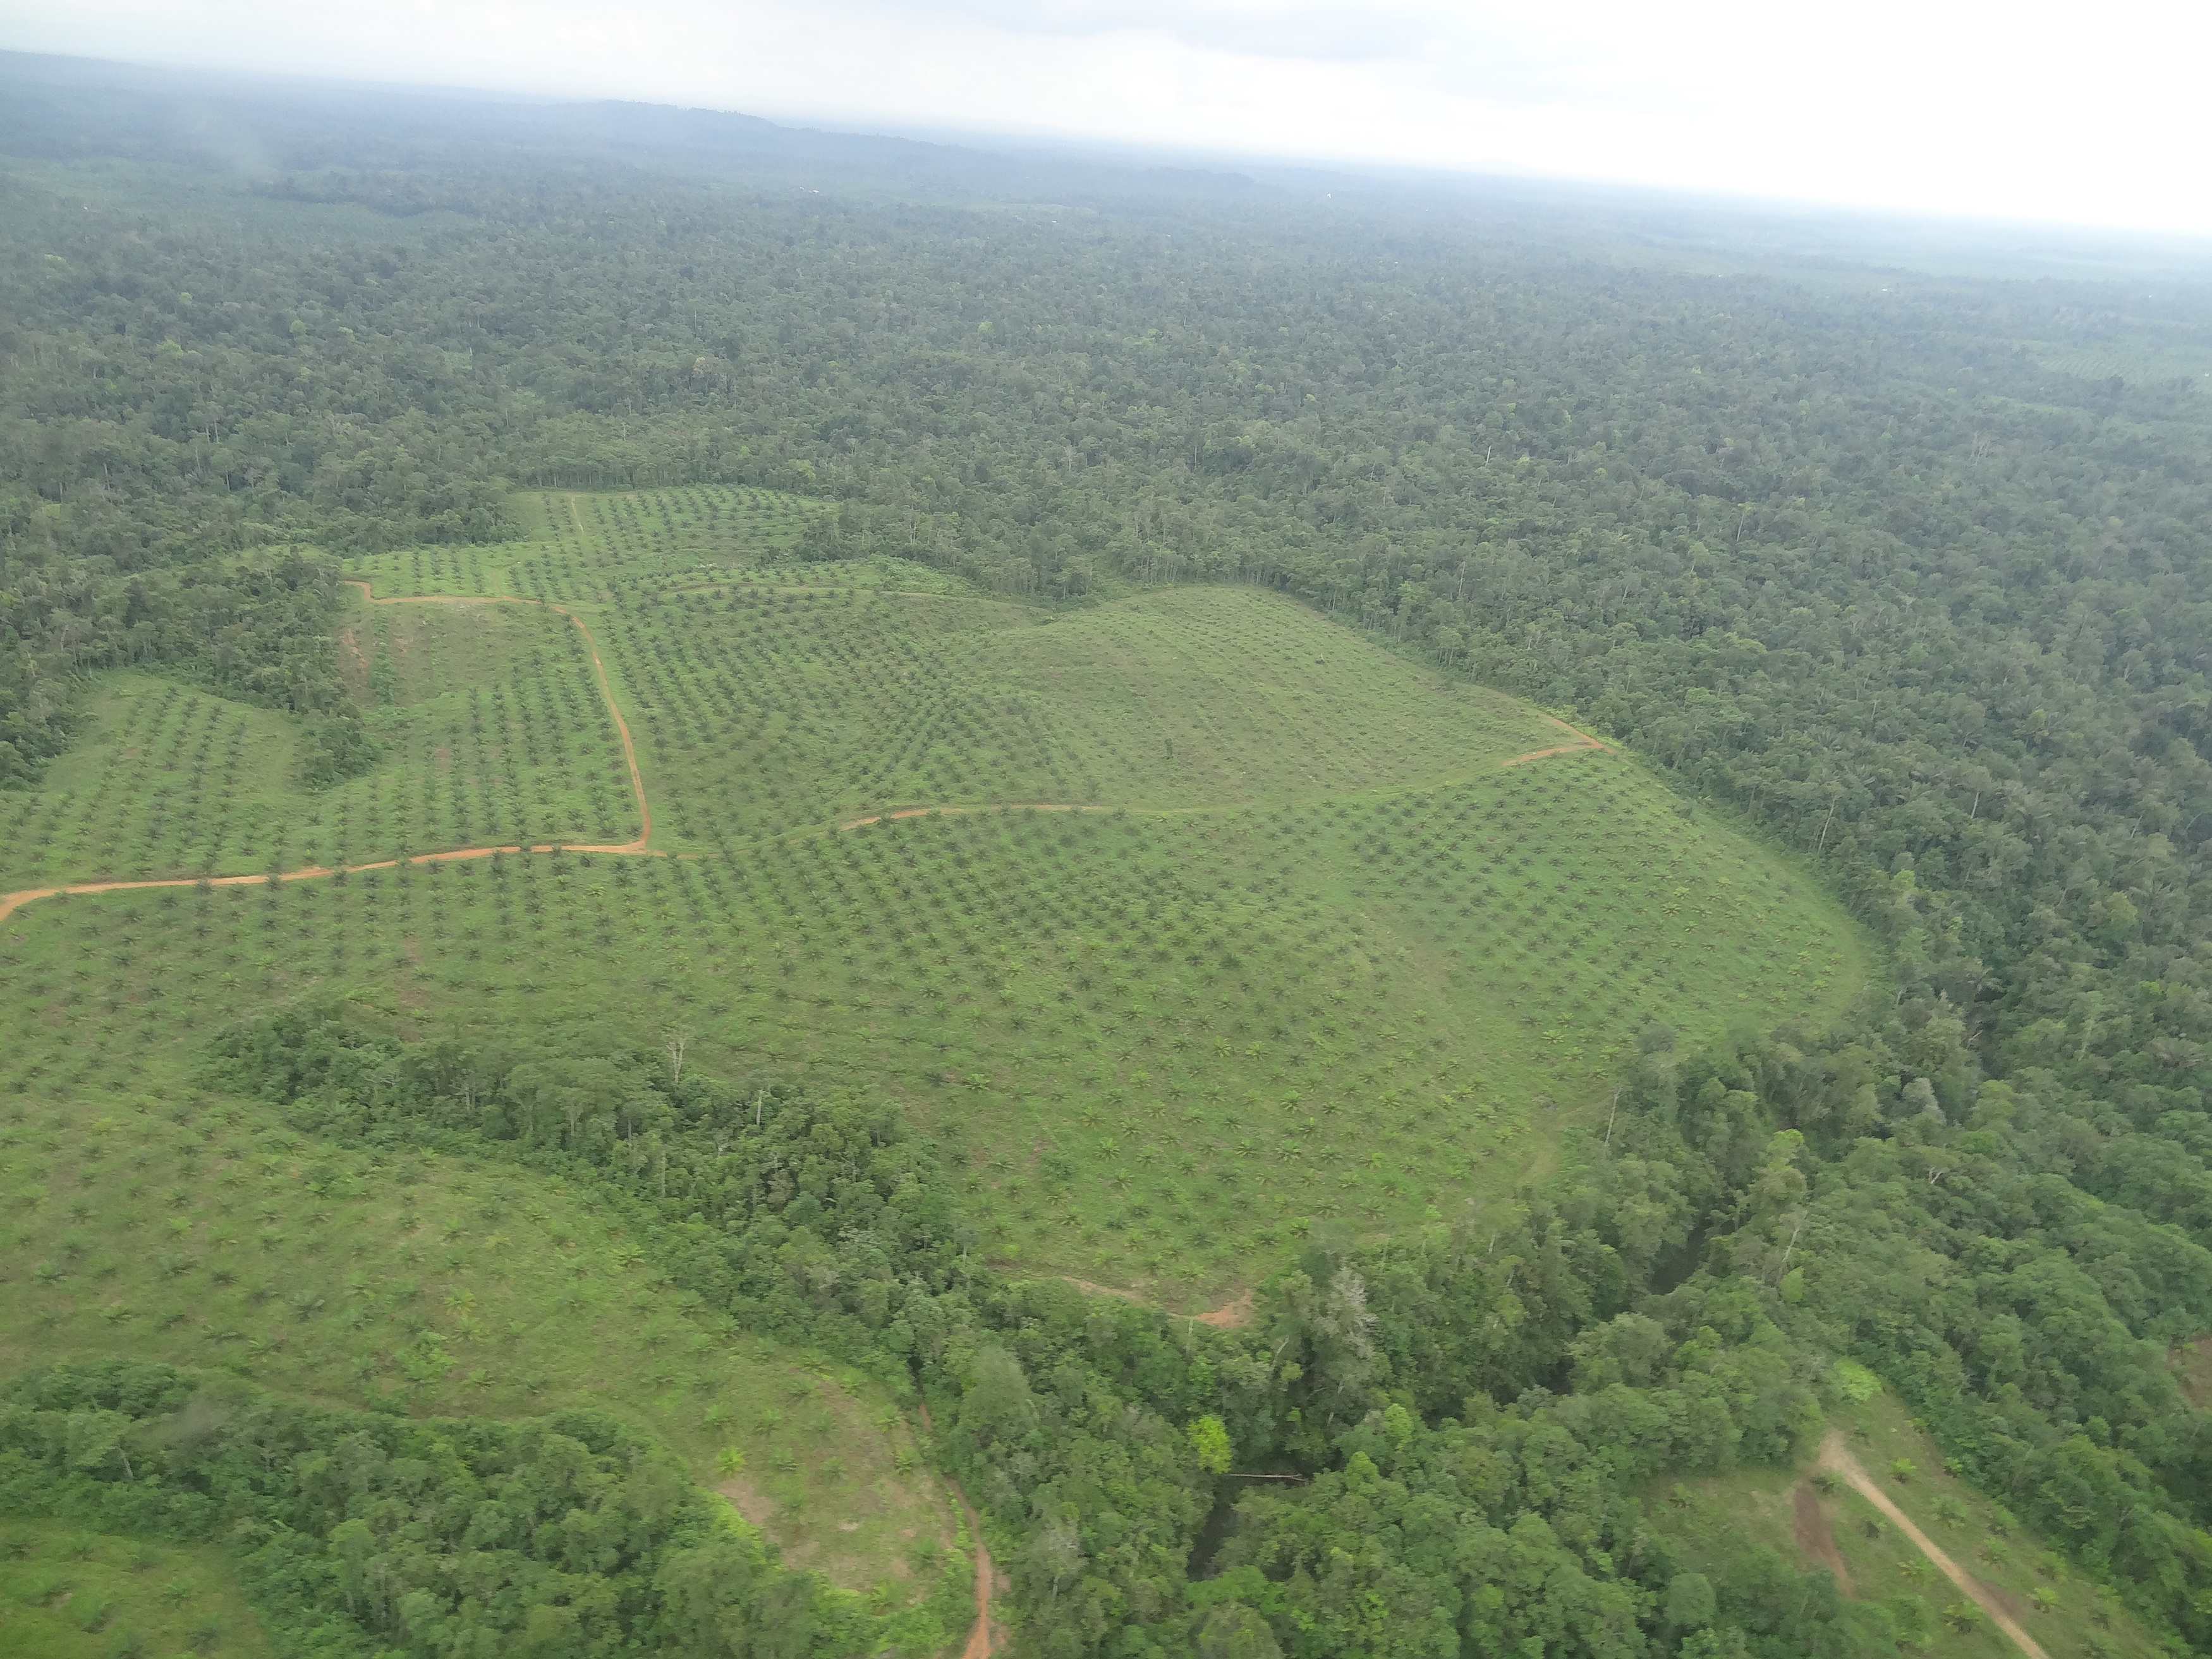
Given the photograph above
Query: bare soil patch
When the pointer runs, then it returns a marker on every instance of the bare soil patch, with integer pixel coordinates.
(748, 1500)
(1815, 1537)
(1230, 1315)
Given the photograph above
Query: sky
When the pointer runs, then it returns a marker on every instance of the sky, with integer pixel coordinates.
(2025, 109)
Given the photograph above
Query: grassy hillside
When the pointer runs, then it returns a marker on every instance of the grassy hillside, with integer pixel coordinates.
(491, 728)
(67, 1594)
(199, 1235)
(1813, 1519)
(588, 547)
(765, 710)
(1236, 919)
(1161, 1041)
(1343, 937)
(771, 694)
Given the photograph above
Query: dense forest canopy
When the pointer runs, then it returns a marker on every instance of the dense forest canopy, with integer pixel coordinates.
(1910, 570)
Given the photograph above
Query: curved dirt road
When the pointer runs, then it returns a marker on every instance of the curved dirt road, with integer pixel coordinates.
(1582, 740)
(1835, 1456)
(979, 1636)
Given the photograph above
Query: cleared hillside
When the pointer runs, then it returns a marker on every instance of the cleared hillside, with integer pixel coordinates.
(1234, 918)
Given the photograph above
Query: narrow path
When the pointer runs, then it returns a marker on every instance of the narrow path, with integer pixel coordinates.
(1834, 1455)
(979, 1636)
(1814, 1536)
(11, 902)
(1584, 740)
(598, 671)
(1002, 806)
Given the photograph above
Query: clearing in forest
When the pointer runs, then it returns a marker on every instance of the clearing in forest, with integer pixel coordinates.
(203, 1234)
(1891, 1590)
(490, 727)
(1318, 950)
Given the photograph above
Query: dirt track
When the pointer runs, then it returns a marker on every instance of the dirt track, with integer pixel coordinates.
(979, 1636)
(1834, 1455)
(1006, 806)
(10, 903)
(1810, 1523)
(1582, 740)
(598, 671)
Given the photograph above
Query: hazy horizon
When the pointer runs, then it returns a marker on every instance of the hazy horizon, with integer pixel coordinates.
(1922, 110)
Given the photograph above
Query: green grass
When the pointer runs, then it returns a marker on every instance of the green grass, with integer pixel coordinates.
(762, 711)
(769, 696)
(586, 547)
(166, 780)
(1317, 948)
(66, 1593)
(1158, 1041)
(492, 729)
(1237, 697)
(1323, 951)
(1705, 1520)
(493, 732)
(200, 1234)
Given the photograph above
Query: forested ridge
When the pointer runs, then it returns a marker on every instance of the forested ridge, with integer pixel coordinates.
(1842, 550)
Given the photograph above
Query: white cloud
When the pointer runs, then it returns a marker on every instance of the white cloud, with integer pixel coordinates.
(2025, 109)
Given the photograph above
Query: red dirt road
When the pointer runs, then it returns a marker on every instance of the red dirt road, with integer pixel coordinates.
(1582, 740)
(10, 903)
(1834, 1455)
(979, 1636)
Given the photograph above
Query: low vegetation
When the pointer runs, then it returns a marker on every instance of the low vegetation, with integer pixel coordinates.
(1879, 1578)
(199, 1234)
(361, 1533)
(1159, 1041)
(1049, 602)
(486, 725)
(68, 1593)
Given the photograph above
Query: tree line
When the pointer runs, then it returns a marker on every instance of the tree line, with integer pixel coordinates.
(1475, 1411)
(1842, 550)
(366, 1534)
